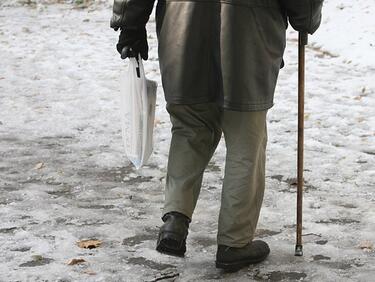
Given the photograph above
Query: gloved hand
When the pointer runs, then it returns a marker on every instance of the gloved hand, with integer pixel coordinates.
(133, 42)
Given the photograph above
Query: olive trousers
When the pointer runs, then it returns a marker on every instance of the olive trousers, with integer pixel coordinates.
(196, 132)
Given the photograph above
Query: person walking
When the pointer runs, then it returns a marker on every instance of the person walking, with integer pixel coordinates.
(219, 63)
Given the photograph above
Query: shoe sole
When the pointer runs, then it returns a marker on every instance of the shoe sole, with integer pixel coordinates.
(235, 266)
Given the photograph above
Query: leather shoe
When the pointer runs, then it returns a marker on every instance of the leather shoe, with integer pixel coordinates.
(232, 259)
(172, 234)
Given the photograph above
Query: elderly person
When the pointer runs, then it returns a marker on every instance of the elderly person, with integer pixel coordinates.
(219, 62)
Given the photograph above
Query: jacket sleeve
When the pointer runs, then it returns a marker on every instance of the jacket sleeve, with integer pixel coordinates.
(131, 14)
(304, 15)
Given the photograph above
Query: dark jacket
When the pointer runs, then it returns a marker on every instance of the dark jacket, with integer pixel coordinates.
(228, 51)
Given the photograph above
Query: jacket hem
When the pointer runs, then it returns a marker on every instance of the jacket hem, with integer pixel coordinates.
(226, 105)
(189, 102)
(247, 107)
(248, 3)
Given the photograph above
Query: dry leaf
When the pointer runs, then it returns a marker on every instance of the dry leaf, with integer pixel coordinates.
(367, 246)
(37, 257)
(292, 181)
(89, 244)
(39, 166)
(89, 272)
(75, 261)
(360, 119)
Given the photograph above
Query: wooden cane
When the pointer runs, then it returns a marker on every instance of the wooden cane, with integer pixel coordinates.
(302, 42)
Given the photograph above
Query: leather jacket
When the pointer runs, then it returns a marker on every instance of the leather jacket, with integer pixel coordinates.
(224, 51)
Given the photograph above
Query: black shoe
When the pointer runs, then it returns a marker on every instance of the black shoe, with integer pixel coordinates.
(232, 259)
(173, 233)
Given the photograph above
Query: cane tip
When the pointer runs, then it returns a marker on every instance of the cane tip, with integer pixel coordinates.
(298, 251)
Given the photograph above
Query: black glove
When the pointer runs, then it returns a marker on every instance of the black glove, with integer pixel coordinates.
(133, 42)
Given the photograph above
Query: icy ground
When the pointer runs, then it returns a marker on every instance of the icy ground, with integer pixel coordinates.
(64, 176)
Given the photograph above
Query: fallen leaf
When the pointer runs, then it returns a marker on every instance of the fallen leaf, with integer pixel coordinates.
(37, 257)
(89, 272)
(367, 246)
(89, 244)
(75, 261)
(292, 181)
(39, 166)
(36, 260)
(360, 119)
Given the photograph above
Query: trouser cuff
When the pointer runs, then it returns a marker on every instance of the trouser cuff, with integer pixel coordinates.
(179, 210)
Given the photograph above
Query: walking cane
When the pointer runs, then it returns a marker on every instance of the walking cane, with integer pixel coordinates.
(302, 42)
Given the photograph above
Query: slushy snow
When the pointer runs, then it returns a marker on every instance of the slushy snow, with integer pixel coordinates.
(64, 176)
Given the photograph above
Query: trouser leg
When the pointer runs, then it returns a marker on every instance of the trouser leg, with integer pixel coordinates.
(245, 136)
(195, 135)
